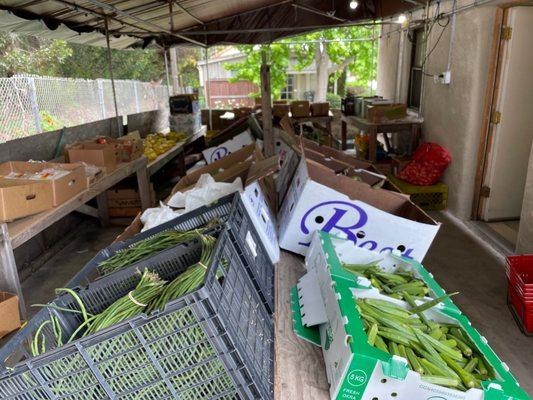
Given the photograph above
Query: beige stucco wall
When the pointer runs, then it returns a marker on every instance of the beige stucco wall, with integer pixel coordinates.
(452, 113)
(525, 234)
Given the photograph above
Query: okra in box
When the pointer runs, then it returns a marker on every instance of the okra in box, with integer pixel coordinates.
(359, 365)
(370, 273)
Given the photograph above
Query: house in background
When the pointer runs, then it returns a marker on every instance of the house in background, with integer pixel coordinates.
(301, 84)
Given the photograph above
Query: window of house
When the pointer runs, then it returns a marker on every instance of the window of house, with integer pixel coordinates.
(288, 91)
(417, 61)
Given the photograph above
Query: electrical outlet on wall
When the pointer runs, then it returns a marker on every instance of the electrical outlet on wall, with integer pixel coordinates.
(445, 78)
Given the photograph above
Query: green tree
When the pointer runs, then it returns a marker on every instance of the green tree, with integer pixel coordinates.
(333, 51)
(188, 66)
(21, 54)
(250, 68)
(31, 55)
(91, 62)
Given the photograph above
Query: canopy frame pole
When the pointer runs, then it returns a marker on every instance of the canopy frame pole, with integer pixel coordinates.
(207, 90)
(110, 64)
(266, 105)
(124, 14)
(166, 71)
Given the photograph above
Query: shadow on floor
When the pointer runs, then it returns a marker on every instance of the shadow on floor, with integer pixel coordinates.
(85, 242)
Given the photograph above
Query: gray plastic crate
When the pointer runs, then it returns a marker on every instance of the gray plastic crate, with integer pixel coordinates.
(221, 210)
(230, 210)
(255, 256)
(213, 343)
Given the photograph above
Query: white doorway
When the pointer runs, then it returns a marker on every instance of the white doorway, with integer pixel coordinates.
(511, 130)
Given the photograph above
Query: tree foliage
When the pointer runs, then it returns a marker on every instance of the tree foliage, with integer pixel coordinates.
(32, 55)
(338, 48)
(91, 62)
(250, 68)
(343, 47)
(188, 66)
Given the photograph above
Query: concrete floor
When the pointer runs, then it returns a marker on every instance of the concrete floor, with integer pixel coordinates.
(461, 264)
(458, 261)
(85, 242)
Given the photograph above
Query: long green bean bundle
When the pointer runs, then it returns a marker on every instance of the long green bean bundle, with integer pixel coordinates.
(150, 293)
(135, 302)
(144, 249)
(188, 280)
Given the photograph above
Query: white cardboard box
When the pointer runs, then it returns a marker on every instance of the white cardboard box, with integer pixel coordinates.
(215, 153)
(375, 219)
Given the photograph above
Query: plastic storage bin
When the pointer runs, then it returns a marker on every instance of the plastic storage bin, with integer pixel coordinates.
(429, 198)
(519, 270)
(215, 342)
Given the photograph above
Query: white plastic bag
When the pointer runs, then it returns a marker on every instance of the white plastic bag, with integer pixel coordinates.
(152, 217)
(204, 192)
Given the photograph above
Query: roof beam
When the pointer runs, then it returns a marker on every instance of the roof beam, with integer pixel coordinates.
(189, 13)
(99, 17)
(319, 12)
(141, 21)
(284, 29)
(418, 2)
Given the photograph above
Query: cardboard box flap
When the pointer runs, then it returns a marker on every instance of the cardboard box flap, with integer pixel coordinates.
(369, 177)
(231, 161)
(262, 168)
(385, 200)
(287, 134)
(331, 163)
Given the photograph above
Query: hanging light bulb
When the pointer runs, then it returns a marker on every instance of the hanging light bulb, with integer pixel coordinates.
(402, 19)
(354, 4)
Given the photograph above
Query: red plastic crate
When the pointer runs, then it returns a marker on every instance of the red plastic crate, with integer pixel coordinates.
(519, 271)
(522, 311)
(525, 296)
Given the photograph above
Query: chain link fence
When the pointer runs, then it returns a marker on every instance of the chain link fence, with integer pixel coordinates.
(34, 104)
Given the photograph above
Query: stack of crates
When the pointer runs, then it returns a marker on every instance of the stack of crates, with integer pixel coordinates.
(215, 342)
(519, 271)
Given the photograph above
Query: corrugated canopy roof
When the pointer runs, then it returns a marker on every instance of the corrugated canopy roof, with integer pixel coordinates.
(201, 22)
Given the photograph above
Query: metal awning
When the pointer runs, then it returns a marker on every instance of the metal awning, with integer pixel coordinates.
(199, 22)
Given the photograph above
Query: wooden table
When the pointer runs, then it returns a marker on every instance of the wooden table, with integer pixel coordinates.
(410, 124)
(176, 151)
(317, 123)
(300, 373)
(14, 234)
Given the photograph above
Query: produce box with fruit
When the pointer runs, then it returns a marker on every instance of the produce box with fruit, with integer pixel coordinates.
(156, 144)
(377, 344)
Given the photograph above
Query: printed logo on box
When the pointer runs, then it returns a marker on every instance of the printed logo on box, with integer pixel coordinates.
(357, 377)
(348, 219)
(219, 153)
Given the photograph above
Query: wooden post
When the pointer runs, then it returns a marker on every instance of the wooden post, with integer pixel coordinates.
(266, 107)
